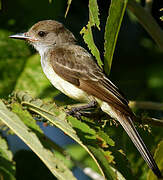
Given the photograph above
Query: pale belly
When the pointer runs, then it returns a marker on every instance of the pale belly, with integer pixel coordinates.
(64, 86)
(72, 91)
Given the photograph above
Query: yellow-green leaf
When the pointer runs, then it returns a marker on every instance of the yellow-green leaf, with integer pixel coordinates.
(94, 13)
(19, 128)
(7, 166)
(68, 7)
(158, 156)
(88, 38)
(33, 80)
(77, 130)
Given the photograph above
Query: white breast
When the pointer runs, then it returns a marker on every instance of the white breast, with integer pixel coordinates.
(69, 89)
(62, 85)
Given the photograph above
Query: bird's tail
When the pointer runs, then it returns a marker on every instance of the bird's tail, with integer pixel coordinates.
(129, 127)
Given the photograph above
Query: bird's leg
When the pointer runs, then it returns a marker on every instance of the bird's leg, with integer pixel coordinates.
(77, 111)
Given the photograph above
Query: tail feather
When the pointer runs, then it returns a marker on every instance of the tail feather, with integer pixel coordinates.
(129, 127)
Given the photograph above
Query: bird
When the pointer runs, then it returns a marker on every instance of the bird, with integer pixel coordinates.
(72, 70)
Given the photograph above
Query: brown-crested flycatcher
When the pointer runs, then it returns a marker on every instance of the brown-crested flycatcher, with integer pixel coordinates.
(72, 70)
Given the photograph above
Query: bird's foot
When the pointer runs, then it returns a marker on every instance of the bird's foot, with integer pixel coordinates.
(78, 111)
(75, 113)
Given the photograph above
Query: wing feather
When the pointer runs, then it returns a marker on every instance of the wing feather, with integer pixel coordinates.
(76, 66)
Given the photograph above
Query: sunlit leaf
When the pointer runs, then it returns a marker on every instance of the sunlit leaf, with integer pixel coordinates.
(94, 13)
(33, 80)
(68, 7)
(88, 38)
(7, 167)
(87, 31)
(4, 149)
(25, 117)
(113, 24)
(106, 138)
(19, 128)
(158, 156)
(77, 130)
(12, 61)
(161, 16)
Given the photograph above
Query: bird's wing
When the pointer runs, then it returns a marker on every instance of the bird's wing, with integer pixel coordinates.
(75, 65)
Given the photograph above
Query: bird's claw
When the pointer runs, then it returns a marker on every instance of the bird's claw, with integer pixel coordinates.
(75, 112)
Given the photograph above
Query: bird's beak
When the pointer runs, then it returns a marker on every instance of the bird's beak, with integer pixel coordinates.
(22, 36)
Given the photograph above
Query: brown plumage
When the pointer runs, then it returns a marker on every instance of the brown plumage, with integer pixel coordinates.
(72, 70)
(76, 66)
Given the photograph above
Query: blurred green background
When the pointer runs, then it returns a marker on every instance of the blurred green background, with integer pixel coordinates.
(137, 65)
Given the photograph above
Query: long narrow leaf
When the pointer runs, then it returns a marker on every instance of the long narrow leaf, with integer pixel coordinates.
(87, 31)
(77, 130)
(7, 166)
(68, 7)
(54, 164)
(88, 38)
(94, 13)
(116, 13)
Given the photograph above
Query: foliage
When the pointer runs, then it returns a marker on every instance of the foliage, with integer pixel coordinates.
(13, 59)
(158, 158)
(100, 144)
(116, 12)
(7, 167)
(87, 31)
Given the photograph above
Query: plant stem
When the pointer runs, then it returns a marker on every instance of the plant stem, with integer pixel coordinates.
(150, 121)
(147, 21)
(146, 105)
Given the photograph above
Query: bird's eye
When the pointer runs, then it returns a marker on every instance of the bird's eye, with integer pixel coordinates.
(42, 33)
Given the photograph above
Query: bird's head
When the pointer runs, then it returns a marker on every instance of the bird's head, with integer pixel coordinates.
(46, 34)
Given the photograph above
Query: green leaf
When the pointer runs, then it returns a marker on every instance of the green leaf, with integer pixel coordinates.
(19, 128)
(59, 119)
(158, 156)
(87, 31)
(68, 7)
(29, 121)
(122, 163)
(94, 14)
(7, 167)
(88, 38)
(106, 137)
(13, 56)
(4, 151)
(80, 155)
(101, 158)
(33, 80)
(5, 174)
(114, 20)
